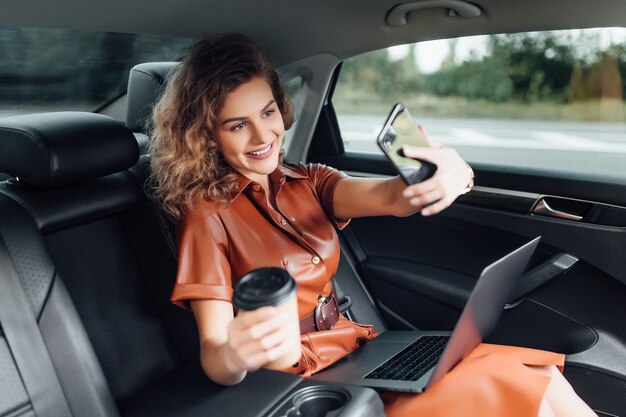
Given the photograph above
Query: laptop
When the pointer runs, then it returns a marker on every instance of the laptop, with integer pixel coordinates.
(413, 361)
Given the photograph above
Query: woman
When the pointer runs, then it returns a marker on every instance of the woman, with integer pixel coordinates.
(217, 162)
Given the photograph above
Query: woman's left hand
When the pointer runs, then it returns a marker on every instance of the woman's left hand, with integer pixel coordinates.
(449, 181)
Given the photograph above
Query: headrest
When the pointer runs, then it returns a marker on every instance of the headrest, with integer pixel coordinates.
(53, 149)
(145, 84)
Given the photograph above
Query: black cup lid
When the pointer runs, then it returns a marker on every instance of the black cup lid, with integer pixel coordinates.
(263, 287)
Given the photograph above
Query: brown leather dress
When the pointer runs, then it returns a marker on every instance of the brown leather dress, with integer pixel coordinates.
(218, 245)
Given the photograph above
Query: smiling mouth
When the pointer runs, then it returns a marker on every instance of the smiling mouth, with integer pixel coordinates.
(262, 151)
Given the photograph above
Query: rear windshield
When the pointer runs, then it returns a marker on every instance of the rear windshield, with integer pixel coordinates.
(57, 69)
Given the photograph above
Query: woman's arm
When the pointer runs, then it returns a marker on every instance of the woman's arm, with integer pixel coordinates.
(360, 197)
(232, 346)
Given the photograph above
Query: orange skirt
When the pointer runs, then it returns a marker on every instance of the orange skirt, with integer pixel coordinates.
(492, 381)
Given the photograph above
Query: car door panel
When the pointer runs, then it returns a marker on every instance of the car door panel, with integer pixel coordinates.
(427, 282)
(420, 270)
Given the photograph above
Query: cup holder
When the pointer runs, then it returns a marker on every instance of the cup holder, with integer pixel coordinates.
(318, 401)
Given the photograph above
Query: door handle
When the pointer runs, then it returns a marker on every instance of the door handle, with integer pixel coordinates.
(542, 208)
(540, 275)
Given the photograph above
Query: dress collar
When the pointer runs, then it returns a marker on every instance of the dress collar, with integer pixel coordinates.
(278, 176)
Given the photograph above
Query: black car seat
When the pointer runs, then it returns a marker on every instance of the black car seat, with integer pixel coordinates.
(145, 84)
(85, 272)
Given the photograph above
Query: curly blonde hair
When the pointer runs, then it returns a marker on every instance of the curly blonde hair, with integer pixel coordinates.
(186, 161)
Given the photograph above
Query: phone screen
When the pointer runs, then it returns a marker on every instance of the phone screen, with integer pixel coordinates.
(399, 130)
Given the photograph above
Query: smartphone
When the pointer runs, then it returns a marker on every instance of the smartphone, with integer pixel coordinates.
(400, 129)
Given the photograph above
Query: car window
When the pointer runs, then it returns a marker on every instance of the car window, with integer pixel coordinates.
(59, 69)
(552, 101)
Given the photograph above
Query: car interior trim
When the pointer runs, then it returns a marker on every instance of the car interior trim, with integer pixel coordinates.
(27, 344)
(398, 319)
(576, 336)
(59, 208)
(542, 208)
(399, 14)
(542, 274)
(76, 363)
(579, 210)
(145, 84)
(537, 111)
(42, 151)
(523, 202)
(575, 242)
(307, 101)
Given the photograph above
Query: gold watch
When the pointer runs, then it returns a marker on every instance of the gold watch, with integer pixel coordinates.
(470, 184)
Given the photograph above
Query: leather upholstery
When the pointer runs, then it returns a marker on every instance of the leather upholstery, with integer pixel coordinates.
(97, 269)
(55, 149)
(78, 370)
(145, 84)
(55, 209)
(21, 236)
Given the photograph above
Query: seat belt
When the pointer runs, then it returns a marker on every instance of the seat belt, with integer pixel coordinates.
(27, 345)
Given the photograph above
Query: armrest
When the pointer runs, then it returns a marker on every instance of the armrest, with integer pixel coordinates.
(185, 391)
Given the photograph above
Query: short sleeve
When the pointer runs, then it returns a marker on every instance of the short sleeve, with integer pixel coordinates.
(325, 180)
(203, 267)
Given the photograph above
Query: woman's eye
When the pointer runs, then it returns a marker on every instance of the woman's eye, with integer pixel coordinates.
(238, 126)
(268, 113)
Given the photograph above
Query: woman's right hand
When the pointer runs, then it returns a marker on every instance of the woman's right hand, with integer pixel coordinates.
(256, 338)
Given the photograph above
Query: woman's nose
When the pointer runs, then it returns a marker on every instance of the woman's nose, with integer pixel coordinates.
(262, 134)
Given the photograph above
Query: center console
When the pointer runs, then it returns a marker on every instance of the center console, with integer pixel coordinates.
(187, 392)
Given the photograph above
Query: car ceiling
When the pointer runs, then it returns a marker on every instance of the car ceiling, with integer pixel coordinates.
(292, 29)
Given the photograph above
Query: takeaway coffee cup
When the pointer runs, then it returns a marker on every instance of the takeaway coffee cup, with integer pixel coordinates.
(272, 287)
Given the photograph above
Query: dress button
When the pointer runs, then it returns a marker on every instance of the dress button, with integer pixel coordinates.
(283, 222)
(256, 187)
(315, 260)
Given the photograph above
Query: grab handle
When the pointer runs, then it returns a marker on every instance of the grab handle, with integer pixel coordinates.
(540, 275)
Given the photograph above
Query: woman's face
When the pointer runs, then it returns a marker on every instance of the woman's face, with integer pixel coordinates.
(250, 130)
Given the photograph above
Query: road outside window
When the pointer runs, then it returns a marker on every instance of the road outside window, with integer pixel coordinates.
(549, 101)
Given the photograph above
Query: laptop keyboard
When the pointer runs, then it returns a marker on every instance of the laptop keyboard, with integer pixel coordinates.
(413, 361)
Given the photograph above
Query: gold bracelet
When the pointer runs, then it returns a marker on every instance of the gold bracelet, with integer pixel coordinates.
(470, 184)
